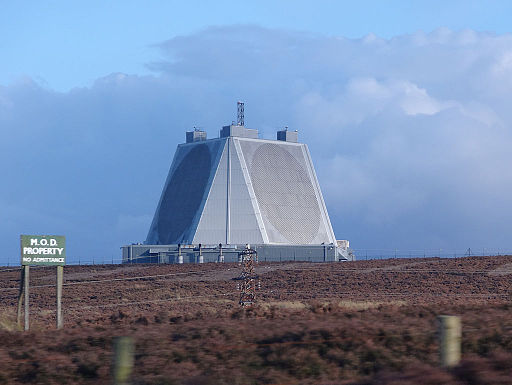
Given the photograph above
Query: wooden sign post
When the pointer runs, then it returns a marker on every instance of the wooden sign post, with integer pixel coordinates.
(41, 250)
(20, 296)
(60, 278)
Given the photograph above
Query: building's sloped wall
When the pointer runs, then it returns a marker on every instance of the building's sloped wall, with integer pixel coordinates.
(286, 192)
(212, 223)
(185, 193)
(237, 223)
(244, 226)
(325, 230)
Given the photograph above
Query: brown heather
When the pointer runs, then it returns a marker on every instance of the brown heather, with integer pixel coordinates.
(366, 322)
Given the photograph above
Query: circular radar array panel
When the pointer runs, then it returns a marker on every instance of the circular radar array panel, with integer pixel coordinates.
(184, 194)
(285, 193)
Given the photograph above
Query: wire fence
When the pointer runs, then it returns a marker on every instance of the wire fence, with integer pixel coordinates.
(392, 270)
(360, 254)
(74, 261)
(340, 271)
(370, 254)
(77, 303)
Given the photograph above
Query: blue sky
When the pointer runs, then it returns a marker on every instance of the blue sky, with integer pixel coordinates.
(404, 106)
(69, 44)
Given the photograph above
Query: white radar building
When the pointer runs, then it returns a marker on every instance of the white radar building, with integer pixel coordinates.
(224, 193)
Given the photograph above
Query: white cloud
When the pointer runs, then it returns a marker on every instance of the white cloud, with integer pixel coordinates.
(410, 136)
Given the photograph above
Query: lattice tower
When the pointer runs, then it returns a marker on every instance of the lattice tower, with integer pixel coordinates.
(240, 114)
(249, 281)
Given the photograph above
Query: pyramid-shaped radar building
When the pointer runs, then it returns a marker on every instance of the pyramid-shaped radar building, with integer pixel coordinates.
(238, 189)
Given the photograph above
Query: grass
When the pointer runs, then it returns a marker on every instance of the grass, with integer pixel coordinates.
(365, 305)
(8, 320)
(293, 305)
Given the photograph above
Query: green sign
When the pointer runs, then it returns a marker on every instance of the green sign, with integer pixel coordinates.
(43, 250)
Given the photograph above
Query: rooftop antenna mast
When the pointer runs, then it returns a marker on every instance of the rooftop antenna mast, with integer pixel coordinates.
(240, 114)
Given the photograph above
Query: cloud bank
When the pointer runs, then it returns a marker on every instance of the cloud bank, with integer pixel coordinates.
(410, 136)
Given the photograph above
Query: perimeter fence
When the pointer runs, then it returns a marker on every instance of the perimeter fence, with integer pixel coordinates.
(74, 261)
(277, 292)
(360, 254)
(369, 254)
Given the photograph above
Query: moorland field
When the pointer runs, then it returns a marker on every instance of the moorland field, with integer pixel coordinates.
(362, 322)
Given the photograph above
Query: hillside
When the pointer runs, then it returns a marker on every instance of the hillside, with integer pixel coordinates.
(365, 322)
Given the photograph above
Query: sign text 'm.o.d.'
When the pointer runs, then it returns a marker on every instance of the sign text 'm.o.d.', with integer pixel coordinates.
(43, 250)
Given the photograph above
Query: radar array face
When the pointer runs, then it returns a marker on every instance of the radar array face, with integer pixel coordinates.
(236, 190)
(285, 193)
(183, 194)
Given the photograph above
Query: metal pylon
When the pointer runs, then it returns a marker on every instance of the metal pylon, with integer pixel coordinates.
(240, 114)
(249, 281)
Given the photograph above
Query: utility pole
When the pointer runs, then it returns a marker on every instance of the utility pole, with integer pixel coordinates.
(248, 258)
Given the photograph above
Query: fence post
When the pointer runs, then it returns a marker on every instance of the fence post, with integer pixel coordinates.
(123, 360)
(450, 333)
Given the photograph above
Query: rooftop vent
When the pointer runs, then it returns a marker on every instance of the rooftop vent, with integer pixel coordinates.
(287, 136)
(196, 136)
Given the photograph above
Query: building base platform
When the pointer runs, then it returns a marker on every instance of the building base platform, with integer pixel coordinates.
(140, 253)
